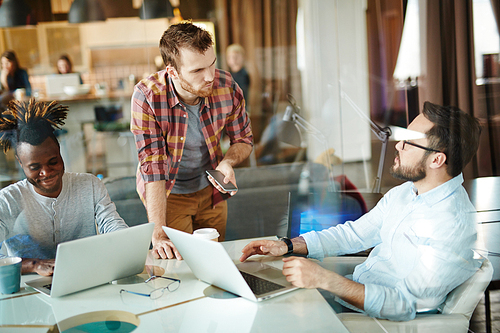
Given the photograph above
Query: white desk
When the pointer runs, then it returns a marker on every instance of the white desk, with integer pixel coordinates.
(186, 310)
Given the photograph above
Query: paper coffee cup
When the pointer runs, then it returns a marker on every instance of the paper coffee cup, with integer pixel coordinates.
(207, 233)
(20, 94)
(10, 275)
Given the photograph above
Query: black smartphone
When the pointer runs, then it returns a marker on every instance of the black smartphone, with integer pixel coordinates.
(219, 179)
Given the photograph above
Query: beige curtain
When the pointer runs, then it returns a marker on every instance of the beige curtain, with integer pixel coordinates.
(385, 28)
(449, 75)
(266, 29)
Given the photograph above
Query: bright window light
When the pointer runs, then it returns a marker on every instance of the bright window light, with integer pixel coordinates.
(408, 64)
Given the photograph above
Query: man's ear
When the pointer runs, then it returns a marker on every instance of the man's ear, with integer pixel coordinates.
(438, 160)
(172, 72)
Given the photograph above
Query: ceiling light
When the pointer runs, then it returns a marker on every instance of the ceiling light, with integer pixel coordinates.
(151, 9)
(14, 13)
(83, 11)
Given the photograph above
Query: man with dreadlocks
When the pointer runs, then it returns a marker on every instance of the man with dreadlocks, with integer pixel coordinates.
(50, 206)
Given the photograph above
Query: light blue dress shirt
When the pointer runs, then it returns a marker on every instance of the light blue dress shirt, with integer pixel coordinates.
(423, 248)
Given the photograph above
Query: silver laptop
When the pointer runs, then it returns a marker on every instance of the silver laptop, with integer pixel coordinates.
(92, 261)
(55, 84)
(210, 263)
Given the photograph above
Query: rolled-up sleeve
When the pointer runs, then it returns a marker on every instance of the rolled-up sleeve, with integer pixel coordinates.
(238, 126)
(149, 139)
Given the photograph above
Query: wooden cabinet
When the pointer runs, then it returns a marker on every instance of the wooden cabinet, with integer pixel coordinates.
(60, 6)
(119, 32)
(38, 47)
(24, 41)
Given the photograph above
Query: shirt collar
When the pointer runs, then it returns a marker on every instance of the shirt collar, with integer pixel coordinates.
(175, 99)
(440, 192)
(171, 89)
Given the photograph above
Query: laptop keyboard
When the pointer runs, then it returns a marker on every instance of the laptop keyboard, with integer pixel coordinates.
(258, 285)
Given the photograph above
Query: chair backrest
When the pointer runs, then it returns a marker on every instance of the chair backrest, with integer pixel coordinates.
(128, 204)
(464, 298)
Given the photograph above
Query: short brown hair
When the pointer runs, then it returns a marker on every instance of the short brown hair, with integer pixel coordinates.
(183, 35)
(455, 133)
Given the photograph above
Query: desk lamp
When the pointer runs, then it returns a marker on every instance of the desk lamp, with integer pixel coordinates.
(292, 116)
(383, 134)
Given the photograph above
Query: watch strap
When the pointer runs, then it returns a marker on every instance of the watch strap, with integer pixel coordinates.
(288, 243)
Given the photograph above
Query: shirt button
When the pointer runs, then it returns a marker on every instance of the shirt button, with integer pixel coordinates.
(182, 138)
(179, 160)
(171, 181)
(184, 115)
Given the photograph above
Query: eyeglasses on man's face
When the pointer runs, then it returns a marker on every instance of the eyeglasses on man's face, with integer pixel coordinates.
(406, 142)
(158, 292)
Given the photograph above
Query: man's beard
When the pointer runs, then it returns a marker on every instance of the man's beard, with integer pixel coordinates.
(189, 88)
(412, 174)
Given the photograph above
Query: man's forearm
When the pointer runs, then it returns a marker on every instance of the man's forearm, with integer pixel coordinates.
(348, 290)
(156, 205)
(237, 153)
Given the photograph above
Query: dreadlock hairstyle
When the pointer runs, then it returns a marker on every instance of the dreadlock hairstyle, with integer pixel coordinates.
(31, 122)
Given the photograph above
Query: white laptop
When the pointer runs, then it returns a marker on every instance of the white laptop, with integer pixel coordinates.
(92, 261)
(210, 263)
(55, 84)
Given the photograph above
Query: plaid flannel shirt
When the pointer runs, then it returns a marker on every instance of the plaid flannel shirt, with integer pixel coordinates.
(159, 123)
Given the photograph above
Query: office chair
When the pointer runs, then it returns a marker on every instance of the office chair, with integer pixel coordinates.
(455, 314)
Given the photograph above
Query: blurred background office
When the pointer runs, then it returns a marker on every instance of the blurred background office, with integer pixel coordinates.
(334, 57)
(338, 65)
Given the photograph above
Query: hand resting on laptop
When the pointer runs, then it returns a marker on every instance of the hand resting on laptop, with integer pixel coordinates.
(304, 273)
(44, 267)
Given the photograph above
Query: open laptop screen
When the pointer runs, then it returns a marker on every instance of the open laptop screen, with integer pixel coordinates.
(55, 84)
(319, 209)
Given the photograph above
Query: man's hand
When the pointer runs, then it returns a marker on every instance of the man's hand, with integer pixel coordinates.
(304, 273)
(227, 170)
(44, 267)
(264, 247)
(163, 248)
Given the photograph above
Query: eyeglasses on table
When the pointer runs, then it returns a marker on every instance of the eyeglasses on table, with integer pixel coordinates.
(158, 292)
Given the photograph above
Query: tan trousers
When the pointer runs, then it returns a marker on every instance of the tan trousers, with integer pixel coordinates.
(188, 212)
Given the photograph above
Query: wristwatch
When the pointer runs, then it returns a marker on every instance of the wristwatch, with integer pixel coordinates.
(288, 243)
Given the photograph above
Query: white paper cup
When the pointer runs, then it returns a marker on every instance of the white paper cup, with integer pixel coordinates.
(207, 233)
(20, 94)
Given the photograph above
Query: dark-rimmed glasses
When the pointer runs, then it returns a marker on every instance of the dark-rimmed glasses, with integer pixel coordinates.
(405, 142)
(157, 293)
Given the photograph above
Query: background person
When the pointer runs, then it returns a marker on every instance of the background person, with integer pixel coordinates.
(12, 76)
(178, 117)
(235, 57)
(65, 66)
(50, 206)
(422, 231)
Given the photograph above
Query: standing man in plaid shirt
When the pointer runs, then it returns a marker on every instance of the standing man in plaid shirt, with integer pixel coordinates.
(178, 117)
